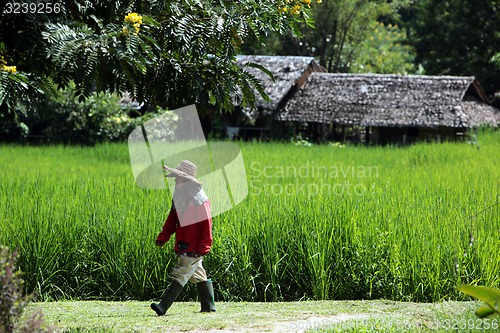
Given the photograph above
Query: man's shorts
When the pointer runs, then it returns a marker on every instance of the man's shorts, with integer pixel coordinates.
(189, 269)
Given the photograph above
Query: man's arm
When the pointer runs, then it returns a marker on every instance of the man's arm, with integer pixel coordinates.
(205, 228)
(168, 229)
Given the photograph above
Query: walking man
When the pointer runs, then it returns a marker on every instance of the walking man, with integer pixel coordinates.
(190, 219)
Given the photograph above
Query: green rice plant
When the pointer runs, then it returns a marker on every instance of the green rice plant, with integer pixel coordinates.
(320, 222)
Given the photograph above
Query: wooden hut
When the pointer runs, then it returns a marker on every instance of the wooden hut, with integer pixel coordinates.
(389, 108)
(289, 73)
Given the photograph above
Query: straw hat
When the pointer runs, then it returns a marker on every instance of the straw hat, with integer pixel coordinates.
(186, 169)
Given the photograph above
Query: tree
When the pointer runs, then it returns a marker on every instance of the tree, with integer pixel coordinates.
(166, 53)
(341, 37)
(458, 38)
(384, 51)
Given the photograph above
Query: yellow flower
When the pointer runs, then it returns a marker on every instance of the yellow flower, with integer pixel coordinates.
(319, 1)
(295, 10)
(135, 20)
(9, 69)
(283, 9)
(307, 2)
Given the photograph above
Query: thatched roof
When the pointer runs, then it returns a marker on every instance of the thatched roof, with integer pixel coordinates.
(286, 71)
(385, 100)
(480, 113)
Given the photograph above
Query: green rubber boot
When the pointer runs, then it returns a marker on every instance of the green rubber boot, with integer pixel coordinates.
(206, 296)
(167, 298)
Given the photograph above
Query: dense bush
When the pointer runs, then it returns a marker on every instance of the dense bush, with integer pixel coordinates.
(12, 301)
(96, 119)
(67, 119)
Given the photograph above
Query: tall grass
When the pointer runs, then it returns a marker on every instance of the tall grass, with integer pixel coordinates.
(418, 221)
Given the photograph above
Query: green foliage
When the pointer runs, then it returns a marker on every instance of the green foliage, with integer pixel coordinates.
(457, 38)
(344, 39)
(67, 119)
(97, 118)
(198, 46)
(176, 53)
(488, 295)
(496, 59)
(19, 92)
(384, 51)
(12, 301)
(109, 59)
(11, 304)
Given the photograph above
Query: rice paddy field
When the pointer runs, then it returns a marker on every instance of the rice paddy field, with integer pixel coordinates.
(320, 222)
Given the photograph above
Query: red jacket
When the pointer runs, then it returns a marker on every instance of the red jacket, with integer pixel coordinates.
(196, 237)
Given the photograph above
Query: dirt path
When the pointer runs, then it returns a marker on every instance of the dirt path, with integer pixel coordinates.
(294, 326)
(239, 317)
(303, 325)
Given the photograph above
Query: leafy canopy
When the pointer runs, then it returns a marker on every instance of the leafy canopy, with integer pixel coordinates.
(166, 53)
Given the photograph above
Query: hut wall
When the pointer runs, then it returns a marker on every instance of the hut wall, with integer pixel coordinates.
(441, 133)
(410, 135)
(390, 135)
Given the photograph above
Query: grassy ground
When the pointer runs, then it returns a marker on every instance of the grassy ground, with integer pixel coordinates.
(310, 316)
